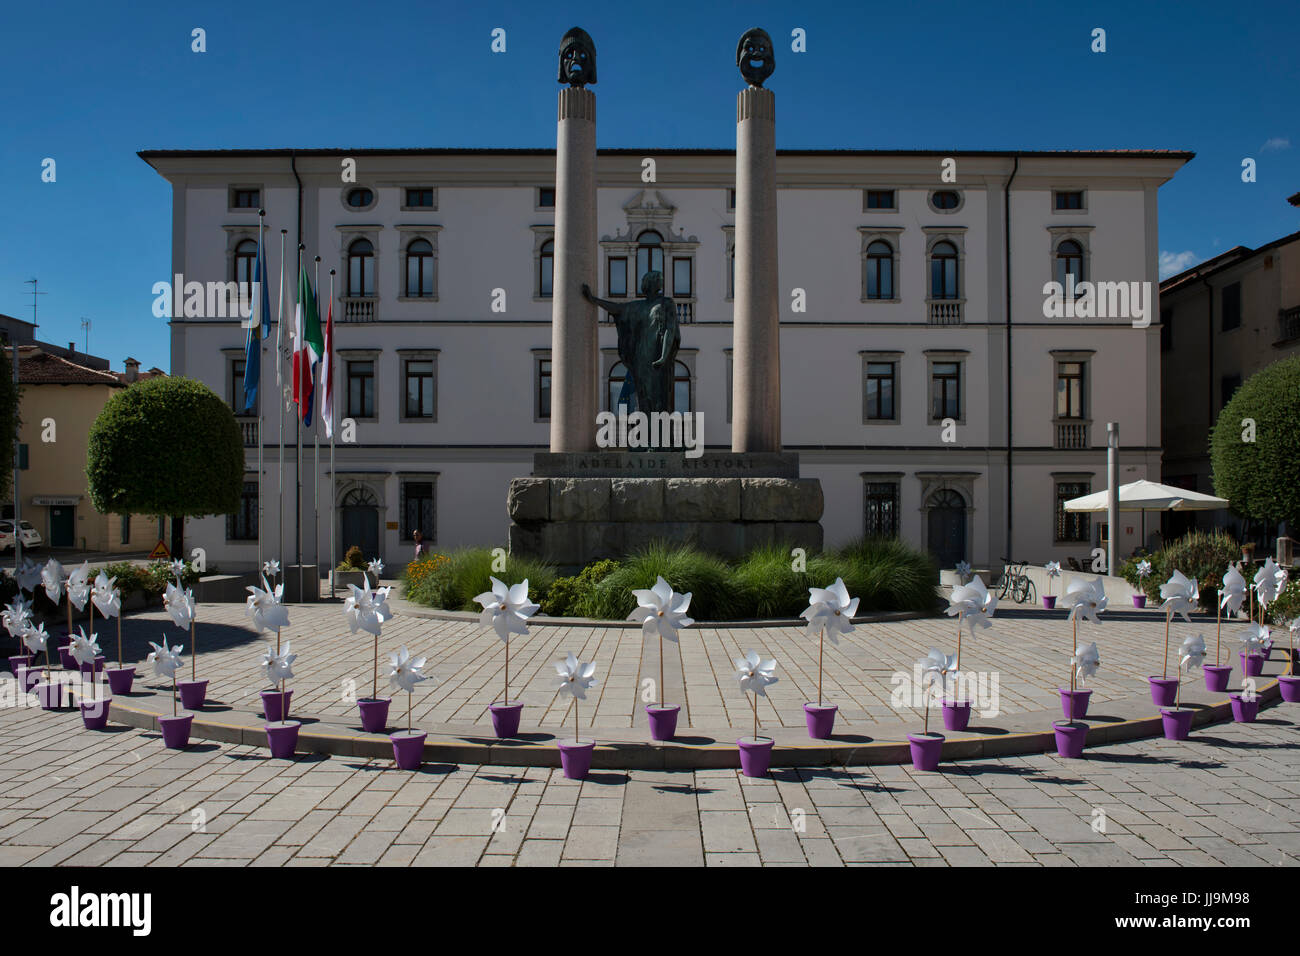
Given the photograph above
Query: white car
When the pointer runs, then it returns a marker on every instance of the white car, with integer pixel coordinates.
(31, 537)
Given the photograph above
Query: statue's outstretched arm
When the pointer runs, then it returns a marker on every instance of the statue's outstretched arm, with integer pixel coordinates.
(613, 308)
(670, 342)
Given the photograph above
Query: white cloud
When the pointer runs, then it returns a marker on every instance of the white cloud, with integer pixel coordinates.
(1277, 143)
(1172, 263)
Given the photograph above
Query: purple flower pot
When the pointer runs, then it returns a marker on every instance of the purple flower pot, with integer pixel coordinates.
(408, 748)
(1290, 688)
(120, 680)
(926, 750)
(176, 731)
(1049, 601)
(1253, 665)
(98, 667)
(1070, 738)
(275, 705)
(1139, 600)
(94, 713)
(755, 755)
(19, 660)
(68, 662)
(1074, 703)
(282, 737)
(956, 714)
(1164, 690)
(821, 720)
(505, 718)
(1216, 677)
(29, 677)
(1178, 723)
(193, 693)
(55, 695)
(1244, 711)
(374, 714)
(575, 758)
(663, 720)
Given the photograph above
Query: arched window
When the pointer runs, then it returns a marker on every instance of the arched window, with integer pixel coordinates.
(419, 268)
(360, 497)
(1069, 262)
(943, 271)
(880, 270)
(546, 269)
(681, 388)
(617, 376)
(245, 266)
(649, 255)
(361, 268)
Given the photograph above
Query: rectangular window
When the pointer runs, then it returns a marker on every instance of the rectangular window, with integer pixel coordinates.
(1231, 306)
(237, 385)
(417, 510)
(1072, 526)
(546, 197)
(616, 279)
(126, 530)
(880, 390)
(682, 285)
(1069, 389)
(731, 273)
(1228, 386)
(880, 199)
(731, 200)
(544, 389)
(1068, 199)
(546, 271)
(419, 198)
(945, 391)
(880, 509)
(361, 389)
(242, 525)
(245, 198)
(419, 388)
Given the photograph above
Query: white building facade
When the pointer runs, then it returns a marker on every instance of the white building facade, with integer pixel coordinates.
(922, 381)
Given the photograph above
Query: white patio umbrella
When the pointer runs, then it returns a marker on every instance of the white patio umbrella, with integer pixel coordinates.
(1144, 496)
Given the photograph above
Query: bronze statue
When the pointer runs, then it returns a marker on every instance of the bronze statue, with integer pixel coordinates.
(648, 340)
(577, 58)
(755, 56)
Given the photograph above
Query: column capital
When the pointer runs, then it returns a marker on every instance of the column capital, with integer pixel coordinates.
(756, 103)
(577, 103)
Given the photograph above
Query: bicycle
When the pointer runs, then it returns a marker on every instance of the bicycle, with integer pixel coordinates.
(1016, 583)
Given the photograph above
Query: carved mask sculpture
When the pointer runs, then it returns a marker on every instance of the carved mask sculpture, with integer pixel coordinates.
(755, 56)
(578, 58)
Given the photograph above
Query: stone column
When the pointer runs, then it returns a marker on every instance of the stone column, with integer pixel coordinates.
(756, 358)
(573, 320)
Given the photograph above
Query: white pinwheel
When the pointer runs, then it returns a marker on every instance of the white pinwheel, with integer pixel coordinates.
(36, 638)
(79, 586)
(1180, 595)
(376, 567)
(830, 610)
(404, 670)
(1253, 641)
(1192, 652)
(1085, 661)
(278, 665)
(29, 576)
(972, 603)
(52, 580)
(1086, 599)
(179, 603)
(661, 610)
(266, 607)
(755, 675)
(575, 676)
(1269, 581)
(271, 568)
(17, 617)
(84, 647)
(1144, 568)
(937, 667)
(166, 660)
(177, 568)
(1233, 592)
(1053, 569)
(506, 608)
(963, 570)
(106, 598)
(367, 610)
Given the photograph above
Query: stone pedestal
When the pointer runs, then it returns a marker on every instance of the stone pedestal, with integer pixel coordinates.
(572, 521)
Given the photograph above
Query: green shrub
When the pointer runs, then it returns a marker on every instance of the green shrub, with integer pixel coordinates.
(767, 586)
(466, 573)
(1286, 608)
(354, 559)
(1201, 555)
(682, 566)
(572, 597)
(886, 573)
(1261, 478)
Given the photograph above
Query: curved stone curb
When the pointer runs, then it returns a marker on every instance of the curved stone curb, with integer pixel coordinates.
(627, 750)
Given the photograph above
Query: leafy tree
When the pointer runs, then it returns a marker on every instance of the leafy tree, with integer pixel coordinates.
(9, 421)
(166, 446)
(1261, 478)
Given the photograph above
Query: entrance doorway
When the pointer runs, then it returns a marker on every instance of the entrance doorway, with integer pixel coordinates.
(946, 527)
(63, 526)
(359, 523)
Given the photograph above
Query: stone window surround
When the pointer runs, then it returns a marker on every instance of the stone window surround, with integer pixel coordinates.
(883, 355)
(893, 236)
(1065, 477)
(1068, 189)
(347, 190)
(609, 358)
(1073, 355)
(235, 234)
(233, 354)
(1080, 234)
(946, 188)
(894, 478)
(361, 355)
(408, 477)
(537, 198)
(373, 482)
(250, 478)
(408, 233)
(348, 235)
(246, 210)
(730, 362)
(729, 254)
(962, 482)
(946, 355)
(416, 354)
(681, 249)
(542, 234)
(540, 355)
(957, 236)
(872, 211)
(405, 208)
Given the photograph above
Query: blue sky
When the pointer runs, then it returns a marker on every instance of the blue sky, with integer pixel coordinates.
(89, 84)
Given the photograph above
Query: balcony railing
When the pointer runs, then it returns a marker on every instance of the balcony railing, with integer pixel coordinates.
(358, 308)
(248, 429)
(945, 312)
(1288, 325)
(1071, 435)
(685, 312)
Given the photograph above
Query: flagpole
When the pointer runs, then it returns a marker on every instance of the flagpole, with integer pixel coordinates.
(297, 416)
(279, 397)
(334, 481)
(315, 472)
(262, 320)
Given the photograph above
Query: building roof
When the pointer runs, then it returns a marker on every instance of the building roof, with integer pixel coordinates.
(154, 372)
(1222, 261)
(38, 367)
(1294, 200)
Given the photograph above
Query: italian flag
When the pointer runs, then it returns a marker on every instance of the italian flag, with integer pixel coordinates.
(308, 345)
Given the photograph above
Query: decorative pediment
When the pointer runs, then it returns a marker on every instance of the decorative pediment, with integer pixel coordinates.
(649, 209)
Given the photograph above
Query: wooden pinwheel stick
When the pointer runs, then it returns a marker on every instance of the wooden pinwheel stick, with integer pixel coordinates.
(1218, 632)
(374, 693)
(284, 702)
(961, 616)
(119, 639)
(194, 652)
(926, 695)
(506, 699)
(1074, 621)
(173, 693)
(410, 702)
(576, 731)
(755, 717)
(661, 669)
(1169, 616)
(821, 642)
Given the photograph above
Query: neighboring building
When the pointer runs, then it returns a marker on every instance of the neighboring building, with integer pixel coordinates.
(24, 333)
(1223, 321)
(442, 303)
(60, 399)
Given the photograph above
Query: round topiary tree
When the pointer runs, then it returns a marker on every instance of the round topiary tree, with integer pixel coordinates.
(166, 446)
(1255, 446)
